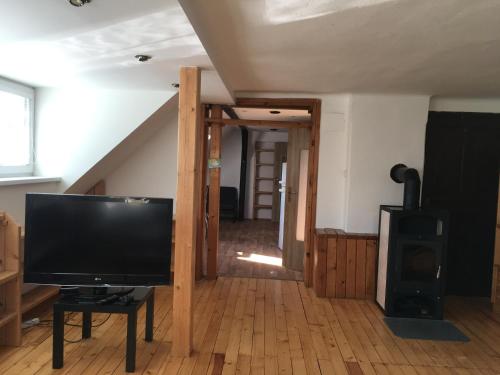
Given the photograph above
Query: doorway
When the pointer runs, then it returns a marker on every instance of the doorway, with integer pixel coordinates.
(277, 174)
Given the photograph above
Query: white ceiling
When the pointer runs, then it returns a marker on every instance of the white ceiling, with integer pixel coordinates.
(50, 43)
(435, 47)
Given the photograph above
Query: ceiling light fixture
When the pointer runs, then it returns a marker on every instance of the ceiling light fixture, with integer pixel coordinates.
(143, 58)
(275, 112)
(79, 3)
(175, 85)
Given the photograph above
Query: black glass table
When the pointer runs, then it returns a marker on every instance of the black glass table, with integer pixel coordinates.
(139, 296)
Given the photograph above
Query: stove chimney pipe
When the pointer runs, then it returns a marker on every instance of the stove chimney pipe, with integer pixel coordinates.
(400, 173)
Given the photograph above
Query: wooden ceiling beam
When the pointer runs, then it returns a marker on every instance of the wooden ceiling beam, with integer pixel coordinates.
(262, 123)
(230, 111)
(284, 103)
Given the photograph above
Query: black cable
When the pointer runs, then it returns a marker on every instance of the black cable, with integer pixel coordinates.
(93, 326)
(50, 323)
(72, 341)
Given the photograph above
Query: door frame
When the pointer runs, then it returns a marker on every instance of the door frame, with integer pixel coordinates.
(314, 108)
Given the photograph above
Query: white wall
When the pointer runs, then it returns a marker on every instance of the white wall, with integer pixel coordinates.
(449, 104)
(332, 166)
(77, 127)
(362, 137)
(151, 170)
(12, 198)
(383, 130)
(231, 156)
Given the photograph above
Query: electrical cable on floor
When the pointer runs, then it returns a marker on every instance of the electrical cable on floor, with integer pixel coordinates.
(50, 323)
(93, 326)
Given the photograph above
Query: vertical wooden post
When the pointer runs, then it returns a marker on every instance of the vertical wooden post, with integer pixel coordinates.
(187, 201)
(200, 240)
(214, 193)
(312, 193)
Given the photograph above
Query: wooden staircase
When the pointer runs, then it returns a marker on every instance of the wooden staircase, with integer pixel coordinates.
(261, 166)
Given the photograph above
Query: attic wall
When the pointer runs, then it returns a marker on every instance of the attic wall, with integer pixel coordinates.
(151, 170)
(12, 198)
(383, 130)
(361, 137)
(77, 127)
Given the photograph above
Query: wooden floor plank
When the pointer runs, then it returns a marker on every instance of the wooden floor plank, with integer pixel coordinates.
(254, 326)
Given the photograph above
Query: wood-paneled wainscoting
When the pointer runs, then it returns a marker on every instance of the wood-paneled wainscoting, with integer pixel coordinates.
(344, 264)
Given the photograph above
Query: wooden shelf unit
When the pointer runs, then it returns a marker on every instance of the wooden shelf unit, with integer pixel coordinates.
(7, 317)
(10, 281)
(36, 297)
(6, 276)
(259, 166)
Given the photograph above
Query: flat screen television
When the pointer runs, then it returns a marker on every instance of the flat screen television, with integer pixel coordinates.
(97, 240)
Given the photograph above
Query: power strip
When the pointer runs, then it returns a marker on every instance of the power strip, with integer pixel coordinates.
(30, 323)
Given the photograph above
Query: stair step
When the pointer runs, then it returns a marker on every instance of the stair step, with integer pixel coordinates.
(264, 164)
(264, 206)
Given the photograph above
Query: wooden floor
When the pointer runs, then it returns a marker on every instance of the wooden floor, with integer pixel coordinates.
(246, 246)
(256, 326)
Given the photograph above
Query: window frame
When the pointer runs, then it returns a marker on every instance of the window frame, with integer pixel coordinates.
(28, 93)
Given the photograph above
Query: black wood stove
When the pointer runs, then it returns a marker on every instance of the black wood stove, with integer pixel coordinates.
(412, 254)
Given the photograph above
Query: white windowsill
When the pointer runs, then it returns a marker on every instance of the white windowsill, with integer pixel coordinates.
(7, 181)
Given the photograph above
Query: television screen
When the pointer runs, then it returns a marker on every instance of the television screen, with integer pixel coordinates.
(97, 240)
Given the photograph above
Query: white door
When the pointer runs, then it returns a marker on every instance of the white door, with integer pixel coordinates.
(282, 205)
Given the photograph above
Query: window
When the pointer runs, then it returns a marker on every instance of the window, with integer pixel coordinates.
(16, 129)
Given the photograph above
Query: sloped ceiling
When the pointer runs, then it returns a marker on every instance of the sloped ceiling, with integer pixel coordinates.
(116, 156)
(51, 43)
(434, 47)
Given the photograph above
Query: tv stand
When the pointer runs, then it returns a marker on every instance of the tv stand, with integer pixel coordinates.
(73, 303)
(99, 293)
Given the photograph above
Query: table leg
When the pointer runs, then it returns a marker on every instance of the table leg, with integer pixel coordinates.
(131, 341)
(150, 309)
(58, 339)
(87, 325)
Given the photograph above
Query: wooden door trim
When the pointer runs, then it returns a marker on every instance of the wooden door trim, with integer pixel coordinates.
(201, 229)
(262, 123)
(314, 107)
(214, 194)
